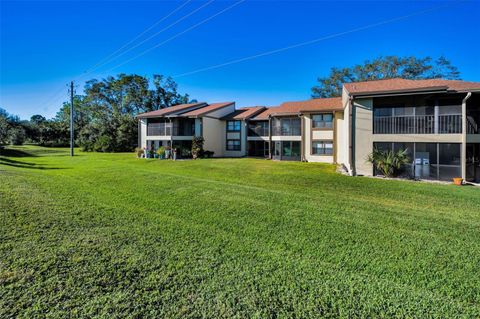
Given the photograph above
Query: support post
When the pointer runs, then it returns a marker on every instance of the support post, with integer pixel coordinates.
(463, 150)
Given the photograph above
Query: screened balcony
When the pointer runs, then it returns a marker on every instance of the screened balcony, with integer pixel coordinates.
(286, 126)
(258, 129)
(177, 127)
(445, 119)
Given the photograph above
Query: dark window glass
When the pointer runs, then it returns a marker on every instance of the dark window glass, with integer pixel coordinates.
(233, 126)
(322, 147)
(382, 146)
(449, 153)
(322, 120)
(233, 145)
(258, 128)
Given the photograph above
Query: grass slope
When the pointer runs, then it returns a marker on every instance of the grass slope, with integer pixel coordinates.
(109, 235)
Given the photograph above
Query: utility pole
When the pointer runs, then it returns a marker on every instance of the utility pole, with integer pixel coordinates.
(71, 118)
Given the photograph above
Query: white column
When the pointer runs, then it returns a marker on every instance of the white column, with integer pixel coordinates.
(463, 150)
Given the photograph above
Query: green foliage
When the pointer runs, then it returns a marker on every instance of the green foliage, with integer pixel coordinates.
(389, 163)
(17, 135)
(161, 151)
(109, 236)
(197, 146)
(385, 68)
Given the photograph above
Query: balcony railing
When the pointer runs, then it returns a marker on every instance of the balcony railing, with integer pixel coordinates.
(165, 129)
(418, 124)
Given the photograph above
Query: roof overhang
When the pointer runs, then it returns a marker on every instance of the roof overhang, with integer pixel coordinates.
(427, 90)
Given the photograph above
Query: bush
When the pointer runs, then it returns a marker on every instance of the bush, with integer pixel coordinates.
(389, 163)
(17, 135)
(104, 144)
(139, 151)
(197, 146)
(161, 151)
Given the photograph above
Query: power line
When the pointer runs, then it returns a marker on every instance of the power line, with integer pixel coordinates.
(176, 35)
(140, 34)
(56, 96)
(331, 36)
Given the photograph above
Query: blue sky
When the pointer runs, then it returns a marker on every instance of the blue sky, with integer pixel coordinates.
(46, 44)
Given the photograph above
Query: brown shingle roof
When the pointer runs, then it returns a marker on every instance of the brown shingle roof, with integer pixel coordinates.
(327, 104)
(244, 113)
(265, 113)
(172, 110)
(313, 105)
(398, 85)
(205, 110)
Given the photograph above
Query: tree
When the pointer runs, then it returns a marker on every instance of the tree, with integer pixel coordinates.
(385, 68)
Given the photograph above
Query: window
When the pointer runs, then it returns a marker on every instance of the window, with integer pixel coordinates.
(233, 145)
(322, 120)
(233, 126)
(322, 148)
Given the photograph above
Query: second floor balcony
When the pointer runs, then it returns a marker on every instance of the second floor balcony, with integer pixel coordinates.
(444, 119)
(418, 124)
(177, 127)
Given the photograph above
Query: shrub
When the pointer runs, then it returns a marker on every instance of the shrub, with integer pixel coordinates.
(388, 163)
(17, 135)
(139, 151)
(197, 146)
(161, 151)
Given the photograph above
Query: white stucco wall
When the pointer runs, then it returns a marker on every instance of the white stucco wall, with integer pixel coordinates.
(363, 135)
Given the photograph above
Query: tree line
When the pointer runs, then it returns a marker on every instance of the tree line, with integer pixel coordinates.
(104, 116)
(105, 113)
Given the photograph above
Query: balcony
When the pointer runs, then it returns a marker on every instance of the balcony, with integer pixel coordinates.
(258, 129)
(161, 127)
(418, 124)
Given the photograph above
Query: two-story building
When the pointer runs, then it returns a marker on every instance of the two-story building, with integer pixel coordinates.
(436, 121)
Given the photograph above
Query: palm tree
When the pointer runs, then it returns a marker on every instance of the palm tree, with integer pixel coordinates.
(389, 162)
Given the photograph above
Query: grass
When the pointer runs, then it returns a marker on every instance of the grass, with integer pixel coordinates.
(109, 235)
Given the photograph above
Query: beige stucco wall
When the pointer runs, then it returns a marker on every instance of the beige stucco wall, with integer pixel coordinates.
(343, 155)
(341, 138)
(363, 136)
(214, 135)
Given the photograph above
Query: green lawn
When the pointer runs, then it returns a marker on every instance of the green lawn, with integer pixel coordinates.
(109, 235)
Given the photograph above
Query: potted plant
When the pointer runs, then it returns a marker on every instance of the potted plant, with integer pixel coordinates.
(168, 151)
(458, 181)
(161, 152)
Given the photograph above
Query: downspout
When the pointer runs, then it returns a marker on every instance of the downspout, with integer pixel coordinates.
(270, 136)
(139, 133)
(464, 136)
(302, 137)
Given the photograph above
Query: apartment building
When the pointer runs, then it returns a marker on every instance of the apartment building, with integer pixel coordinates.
(434, 120)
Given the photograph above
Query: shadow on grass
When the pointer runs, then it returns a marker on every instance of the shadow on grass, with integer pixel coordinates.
(20, 164)
(15, 153)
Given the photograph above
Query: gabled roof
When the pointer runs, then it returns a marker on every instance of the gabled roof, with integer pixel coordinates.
(404, 85)
(265, 113)
(295, 107)
(244, 113)
(326, 104)
(207, 109)
(173, 110)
